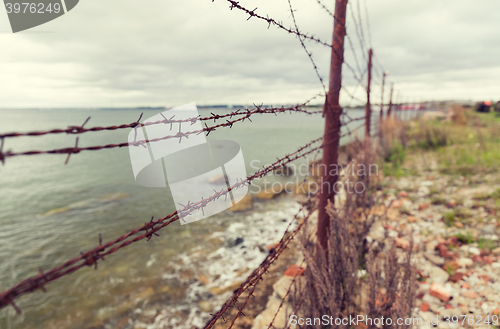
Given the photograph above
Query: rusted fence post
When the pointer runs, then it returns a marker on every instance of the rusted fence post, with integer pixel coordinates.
(332, 112)
(390, 102)
(382, 97)
(368, 110)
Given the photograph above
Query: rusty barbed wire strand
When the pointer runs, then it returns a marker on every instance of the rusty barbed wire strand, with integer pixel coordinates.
(80, 129)
(361, 24)
(180, 135)
(309, 54)
(347, 35)
(271, 21)
(90, 258)
(358, 34)
(256, 276)
(208, 129)
(286, 294)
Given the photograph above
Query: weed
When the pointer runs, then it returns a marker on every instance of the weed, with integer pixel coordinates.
(449, 218)
(465, 238)
(437, 200)
(486, 244)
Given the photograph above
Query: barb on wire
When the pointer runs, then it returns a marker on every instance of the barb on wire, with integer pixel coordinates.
(368, 25)
(91, 257)
(309, 54)
(257, 275)
(347, 35)
(81, 129)
(286, 295)
(242, 116)
(271, 21)
(358, 33)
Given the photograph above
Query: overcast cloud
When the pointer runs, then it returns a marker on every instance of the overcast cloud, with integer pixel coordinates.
(168, 53)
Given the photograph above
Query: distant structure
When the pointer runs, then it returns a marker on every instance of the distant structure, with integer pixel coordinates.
(484, 106)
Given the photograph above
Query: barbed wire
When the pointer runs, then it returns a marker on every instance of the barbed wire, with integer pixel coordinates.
(270, 21)
(368, 25)
(72, 130)
(257, 275)
(283, 300)
(347, 35)
(90, 258)
(244, 115)
(361, 24)
(76, 149)
(309, 54)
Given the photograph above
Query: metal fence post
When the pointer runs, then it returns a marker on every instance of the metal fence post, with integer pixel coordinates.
(332, 112)
(368, 110)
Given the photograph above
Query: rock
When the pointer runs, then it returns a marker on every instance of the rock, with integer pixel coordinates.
(438, 275)
(307, 188)
(403, 243)
(431, 300)
(470, 294)
(448, 312)
(203, 279)
(457, 276)
(269, 193)
(439, 292)
(423, 191)
(464, 262)
(489, 229)
(239, 240)
(220, 290)
(205, 306)
(218, 179)
(474, 251)
(114, 197)
(495, 265)
(424, 307)
(434, 259)
(145, 294)
(397, 203)
(484, 277)
(466, 286)
(316, 169)
(282, 285)
(55, 211)
(451, 204)
(284, 171)
(459, 224)
(431, 246)
(294, 270)
(263, 320)
(402, 194)
(423, 206)
(411, 219)
(243, 204)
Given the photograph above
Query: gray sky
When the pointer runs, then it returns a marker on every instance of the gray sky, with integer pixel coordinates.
(169, 53)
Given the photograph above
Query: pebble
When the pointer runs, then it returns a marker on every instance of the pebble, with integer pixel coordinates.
(434, 259)
(439, 292)
(464, 262)
(489, 229)
(470, 294)
(474, 251)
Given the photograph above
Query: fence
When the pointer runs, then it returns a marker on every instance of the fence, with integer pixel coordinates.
(335, 119)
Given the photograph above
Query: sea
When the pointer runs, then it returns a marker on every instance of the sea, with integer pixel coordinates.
(50, 212)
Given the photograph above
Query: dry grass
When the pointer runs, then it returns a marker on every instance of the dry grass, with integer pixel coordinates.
(352, 277)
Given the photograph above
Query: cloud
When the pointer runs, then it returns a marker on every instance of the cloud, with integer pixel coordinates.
(168, 53)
